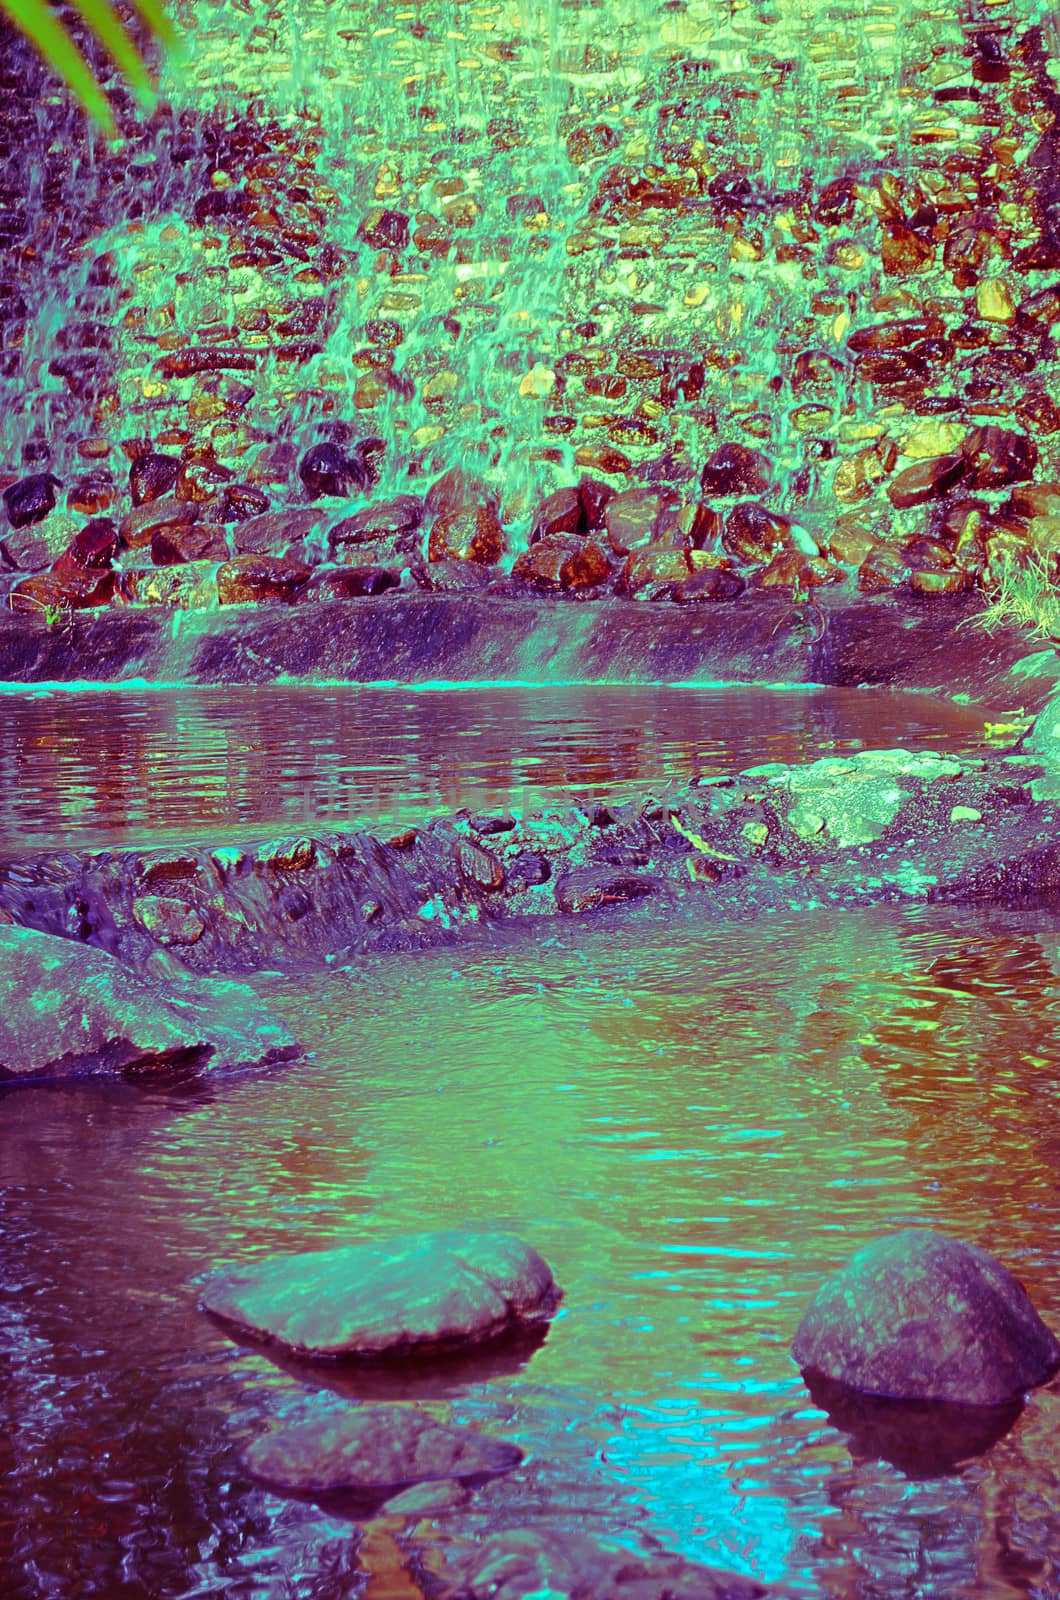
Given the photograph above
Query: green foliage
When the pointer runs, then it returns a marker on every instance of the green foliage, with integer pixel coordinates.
(43, 28)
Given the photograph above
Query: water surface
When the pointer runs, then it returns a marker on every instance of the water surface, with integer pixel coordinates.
(88, 768)
(694, 1125)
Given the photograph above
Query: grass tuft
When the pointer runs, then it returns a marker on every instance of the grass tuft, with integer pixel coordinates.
(1024, 595)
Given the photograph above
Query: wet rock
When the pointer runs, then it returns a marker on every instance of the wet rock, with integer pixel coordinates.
(479, 868)
(1035, 500)
(352, 583)
(587, 888)
(92, 493)
(374, 1449)
(397, 522)
(558, 513)
(151, 476)
(654, 573)
(49, 594)
(168, 921)
(384, 229)
(397, 1297)
(634, 517)
(449, 577)
(954, 581)
(994, 302)
(793, 569)
(996, 457)
(456, 490)
(202, 541)
(735, 469)
(709, 583)
(278, 533)
(927, 480)
(188, 587)
(40, 543)
(897, 335)
(30, 499)
(71, 1010)
(251, 579)
(903, 251)
(325, 470)
(813, 369)
(520, 1563)
(474, 534)
(858, 476)
(754, 533)
(201, 478)
(564, 562)
(918, 1315)
(594, 498)
(138, 527)
(241, 501)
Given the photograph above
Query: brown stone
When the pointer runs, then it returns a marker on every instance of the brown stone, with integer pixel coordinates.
(814, 369)
(251, 579)
(474, 534)
(190, 587)
(735, 469)
(601, 459)
(922, 554)
(139, 526)
(201, 478)
(653, 572)
(1035, 500)
(903, 251)
(396, 521)
(455, 490)
(1043, 305)
(792, 569)
(594, 498)
(92, 493)
(954, 581)
(850, 542)
(277, 533)
(152, 476)
(754, 533)
(881, 569)
(351, 583)
(709, 583)
(479, 868)
(240, 502)
(635, 517)
(450, 577)
(202, 541)
(926, 480)
(92, 549)
(858, 476)
(997, 456)
(563, 561)
(560, 512)
(50, 593)
(899, 335)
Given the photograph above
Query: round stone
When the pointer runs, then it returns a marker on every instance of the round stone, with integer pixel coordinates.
(920, 1316)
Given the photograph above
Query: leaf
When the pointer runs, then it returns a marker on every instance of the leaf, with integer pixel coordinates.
(699, 843)
(42, 27)
(44, 30)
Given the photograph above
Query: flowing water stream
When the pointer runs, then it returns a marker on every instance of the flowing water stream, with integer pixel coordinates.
(705, 1121)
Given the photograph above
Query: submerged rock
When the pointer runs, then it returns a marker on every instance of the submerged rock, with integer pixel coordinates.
(374, 1449)
(919, 1316)
(70, 1010)
(523, 1562)
(31, 499)
(395, 1297)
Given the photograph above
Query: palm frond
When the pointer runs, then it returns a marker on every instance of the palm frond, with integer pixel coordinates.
(42, 27)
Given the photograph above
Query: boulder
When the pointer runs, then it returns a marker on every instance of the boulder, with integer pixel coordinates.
(563, 561)
(30, 499)
(474, 534)
(71, 1010)
(736, 469)
(151, 476)
(519, 1563)
(373, 1449)
(249, 579)
(419, 1292)
(921, 1316)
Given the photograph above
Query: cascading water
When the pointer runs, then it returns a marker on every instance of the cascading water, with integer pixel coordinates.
(542, 239)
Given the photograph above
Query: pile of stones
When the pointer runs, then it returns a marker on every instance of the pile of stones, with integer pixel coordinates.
(760, 325)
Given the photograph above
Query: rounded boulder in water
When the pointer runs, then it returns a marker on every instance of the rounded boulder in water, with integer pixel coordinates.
(416, 1292)
(921, 1316)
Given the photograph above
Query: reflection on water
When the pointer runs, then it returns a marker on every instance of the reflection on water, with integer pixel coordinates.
(96, 768)
(703, 1123)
